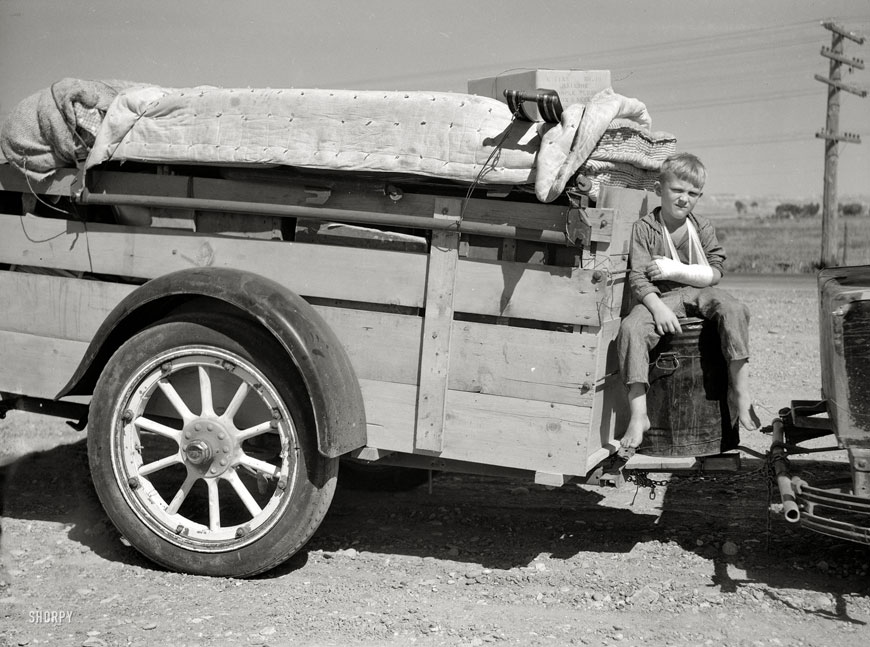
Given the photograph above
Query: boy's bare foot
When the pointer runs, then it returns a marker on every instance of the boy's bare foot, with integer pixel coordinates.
(749, 420)
(633, 436)
(741, 406)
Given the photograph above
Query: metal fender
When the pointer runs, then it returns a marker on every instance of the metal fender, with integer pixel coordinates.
(332, 386)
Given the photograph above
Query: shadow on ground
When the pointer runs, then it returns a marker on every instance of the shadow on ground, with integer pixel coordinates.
(501, 524)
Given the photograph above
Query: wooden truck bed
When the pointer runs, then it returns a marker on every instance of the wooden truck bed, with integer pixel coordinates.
(470, 349)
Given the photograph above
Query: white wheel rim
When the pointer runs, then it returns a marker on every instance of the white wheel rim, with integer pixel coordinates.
(210, 450)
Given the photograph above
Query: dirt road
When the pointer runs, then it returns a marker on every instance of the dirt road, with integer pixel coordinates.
(475, 561)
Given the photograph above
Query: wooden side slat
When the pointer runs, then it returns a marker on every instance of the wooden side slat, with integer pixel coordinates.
(510, 432)
(37, 366)
(437, 328)
(522, 363)
(56, 306)
(509, 361)
(379, 276)
(525, 291)
(517, 290)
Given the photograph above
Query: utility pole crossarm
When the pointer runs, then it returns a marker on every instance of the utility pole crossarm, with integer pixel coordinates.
(837, 29)
(841, 86)
(852, 138)
(857, 63)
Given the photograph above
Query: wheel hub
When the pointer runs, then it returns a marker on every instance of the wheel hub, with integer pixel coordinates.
(197, 452)
(208, 447)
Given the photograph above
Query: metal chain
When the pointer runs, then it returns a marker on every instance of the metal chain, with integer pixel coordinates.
(641, 479)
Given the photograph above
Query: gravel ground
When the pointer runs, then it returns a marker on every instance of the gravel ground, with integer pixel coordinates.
(470, 561)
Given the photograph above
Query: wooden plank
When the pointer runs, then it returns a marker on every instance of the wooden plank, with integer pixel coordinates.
(486, 429)
(607, 362)
(499, 360)
(437, 328)
(378, 276)
(524, 291)
(601, 223)
(610, 406)
(522, 363)
(717, 463)
(629, 204)
(37, 366)
(56, 306)
(496, 360)
(517, 290)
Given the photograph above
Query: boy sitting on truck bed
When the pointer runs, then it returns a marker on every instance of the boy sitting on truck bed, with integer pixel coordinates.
(675, 261)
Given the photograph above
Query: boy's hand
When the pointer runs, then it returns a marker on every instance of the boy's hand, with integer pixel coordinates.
(665, 319)
(653, 271)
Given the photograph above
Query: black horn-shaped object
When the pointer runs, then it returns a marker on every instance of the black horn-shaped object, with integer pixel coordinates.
(549, 105)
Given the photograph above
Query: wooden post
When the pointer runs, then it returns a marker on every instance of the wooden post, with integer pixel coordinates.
(832, 136)
(437, 326)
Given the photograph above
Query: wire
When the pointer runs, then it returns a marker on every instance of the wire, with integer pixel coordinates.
(36, 195)
(750, 141)
(674, 50)
(755, 98)
(492, 158)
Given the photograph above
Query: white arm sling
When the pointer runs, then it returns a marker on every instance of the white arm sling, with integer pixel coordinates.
(698, 274)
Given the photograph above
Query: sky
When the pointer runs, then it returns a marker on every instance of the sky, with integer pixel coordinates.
(732, 79)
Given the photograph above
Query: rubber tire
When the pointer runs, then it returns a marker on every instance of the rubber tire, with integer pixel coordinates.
(318, 474)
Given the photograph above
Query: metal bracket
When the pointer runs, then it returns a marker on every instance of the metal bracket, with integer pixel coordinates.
(317, 196)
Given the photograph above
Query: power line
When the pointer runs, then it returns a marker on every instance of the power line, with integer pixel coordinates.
(793, 137)
(613, 56)
(715, 103)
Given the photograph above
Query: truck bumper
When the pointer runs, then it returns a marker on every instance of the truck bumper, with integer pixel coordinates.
(836, 508)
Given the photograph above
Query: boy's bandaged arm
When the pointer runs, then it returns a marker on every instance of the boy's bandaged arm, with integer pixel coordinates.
(699, 276)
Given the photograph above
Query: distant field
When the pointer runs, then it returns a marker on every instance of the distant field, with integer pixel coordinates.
(764, 244)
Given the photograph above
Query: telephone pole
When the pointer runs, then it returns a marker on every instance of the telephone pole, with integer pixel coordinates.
(831, 134)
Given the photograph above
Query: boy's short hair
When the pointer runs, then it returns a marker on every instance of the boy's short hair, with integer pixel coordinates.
(686, 167)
